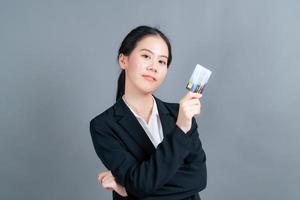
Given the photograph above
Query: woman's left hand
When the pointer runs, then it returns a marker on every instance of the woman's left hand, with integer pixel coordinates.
(109, 183)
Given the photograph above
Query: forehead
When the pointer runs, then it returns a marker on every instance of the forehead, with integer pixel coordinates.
(155, 44)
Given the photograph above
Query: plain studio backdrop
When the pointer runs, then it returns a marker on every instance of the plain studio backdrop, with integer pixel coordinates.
(59, 70)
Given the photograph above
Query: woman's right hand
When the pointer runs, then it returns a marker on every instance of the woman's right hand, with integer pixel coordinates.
(108, 182)
(189, 106)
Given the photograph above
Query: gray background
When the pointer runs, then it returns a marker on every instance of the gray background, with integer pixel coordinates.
(59, 69)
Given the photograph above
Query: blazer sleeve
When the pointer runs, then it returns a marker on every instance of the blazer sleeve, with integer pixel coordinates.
(141, 178)
(189, 179)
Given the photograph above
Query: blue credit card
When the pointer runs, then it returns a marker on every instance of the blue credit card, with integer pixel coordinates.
(199, 79)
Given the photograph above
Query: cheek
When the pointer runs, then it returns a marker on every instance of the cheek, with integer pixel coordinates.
(133, 67)
(163, 74)
(136, 64)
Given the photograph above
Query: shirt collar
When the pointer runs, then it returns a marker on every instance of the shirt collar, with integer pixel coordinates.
(154, 108)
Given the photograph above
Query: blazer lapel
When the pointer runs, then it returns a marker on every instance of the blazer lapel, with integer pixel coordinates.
(133, 128)
(167, 117)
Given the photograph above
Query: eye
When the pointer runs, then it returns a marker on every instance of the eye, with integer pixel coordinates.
(146, 56)
(163, 62)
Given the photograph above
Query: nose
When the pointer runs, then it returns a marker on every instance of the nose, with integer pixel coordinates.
(152, 67)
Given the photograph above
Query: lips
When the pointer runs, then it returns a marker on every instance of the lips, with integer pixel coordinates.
(148, 77)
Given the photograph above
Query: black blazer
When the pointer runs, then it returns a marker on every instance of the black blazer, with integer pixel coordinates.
(175, 170)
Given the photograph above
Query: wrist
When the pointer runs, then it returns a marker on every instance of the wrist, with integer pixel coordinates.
(184, 129)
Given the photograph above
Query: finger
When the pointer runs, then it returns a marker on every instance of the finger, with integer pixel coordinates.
(102, 176)
(192, 102)
(193, 114)
(194, 95)
(187, 96)
(104, 179)
(191, 95)
(108, 189)
(193, 110)
(109, 180)
(197, 96)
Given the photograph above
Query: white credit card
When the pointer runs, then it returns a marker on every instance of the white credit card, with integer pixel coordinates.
(198, 79)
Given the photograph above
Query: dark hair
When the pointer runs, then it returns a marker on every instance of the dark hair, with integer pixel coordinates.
(128, 45)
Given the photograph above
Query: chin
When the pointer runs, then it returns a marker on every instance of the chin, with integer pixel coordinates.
(148, 90)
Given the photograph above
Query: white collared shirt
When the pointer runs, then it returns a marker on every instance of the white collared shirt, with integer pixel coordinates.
(153, 128)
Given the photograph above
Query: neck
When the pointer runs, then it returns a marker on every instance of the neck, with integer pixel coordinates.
(142, 104)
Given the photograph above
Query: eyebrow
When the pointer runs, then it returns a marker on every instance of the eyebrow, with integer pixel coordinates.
(153, 53)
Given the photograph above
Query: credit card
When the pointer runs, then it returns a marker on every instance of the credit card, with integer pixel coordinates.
(198, 79)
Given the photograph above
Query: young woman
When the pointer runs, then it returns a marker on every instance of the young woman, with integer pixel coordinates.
(150, 147)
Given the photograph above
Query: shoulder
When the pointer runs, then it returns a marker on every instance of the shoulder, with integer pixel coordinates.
(167, 107)
(111, 114)
(171, 106)
(103, 118)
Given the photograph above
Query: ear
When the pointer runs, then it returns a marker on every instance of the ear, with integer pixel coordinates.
(123, 61)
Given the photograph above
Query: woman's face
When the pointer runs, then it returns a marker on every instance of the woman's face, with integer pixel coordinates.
(146, 66)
